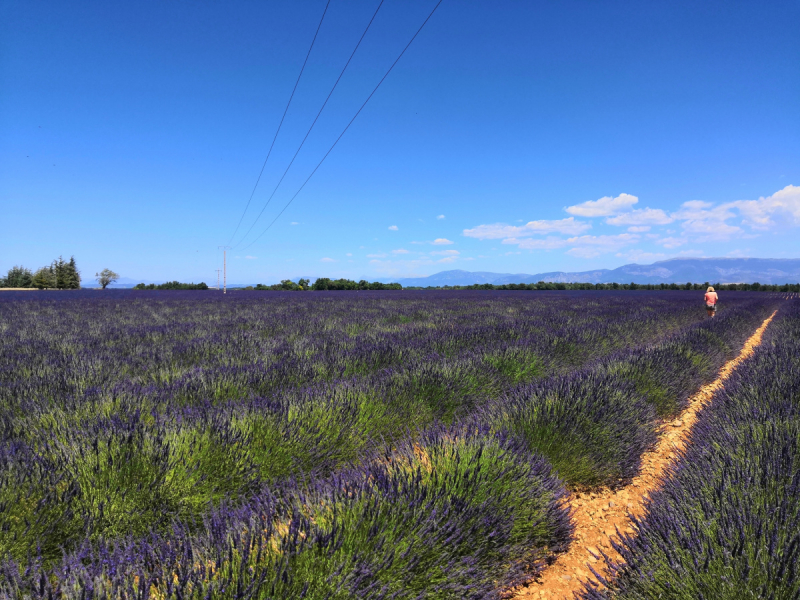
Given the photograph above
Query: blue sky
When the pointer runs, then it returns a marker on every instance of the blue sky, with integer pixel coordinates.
(511, 136)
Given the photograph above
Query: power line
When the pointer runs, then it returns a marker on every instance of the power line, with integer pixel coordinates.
(277, 131)
(224, 269)
(375, 14)
(347, 127)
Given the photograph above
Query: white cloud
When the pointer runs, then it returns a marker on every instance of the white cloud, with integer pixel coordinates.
(642, 216)
(589, 246)
(637, 255)
(704, 218)
(294, 223)
(603, 207)
(694, 209)
(376, 256)
(568, 226)
(758, 214)
(327, 260)
(446, 253)
(712, 230)
(584, 252)
(550, 243)
(349, 254)
(393, 227)
(441, 242)
(700, 217)
(400, 251)
(248, 257)
(440, 217)
(639, 229)
(447, 259)
(671, 242)
(584, 246)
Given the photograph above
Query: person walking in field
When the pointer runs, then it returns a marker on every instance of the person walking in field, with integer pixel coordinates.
(711, 301)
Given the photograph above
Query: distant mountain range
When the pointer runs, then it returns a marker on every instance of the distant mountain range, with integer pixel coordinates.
(676, 270)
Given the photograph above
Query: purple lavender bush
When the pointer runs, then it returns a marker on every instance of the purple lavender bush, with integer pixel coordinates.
(459, 513)
(727, 522)
(594, 424)
(184, 441)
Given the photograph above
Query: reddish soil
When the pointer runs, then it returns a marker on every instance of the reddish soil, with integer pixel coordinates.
(598, 515)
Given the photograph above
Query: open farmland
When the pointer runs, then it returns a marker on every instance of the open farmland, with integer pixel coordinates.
(726, 523)
(328, 445)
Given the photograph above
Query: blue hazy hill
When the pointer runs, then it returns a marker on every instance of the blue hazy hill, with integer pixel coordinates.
(676, 270)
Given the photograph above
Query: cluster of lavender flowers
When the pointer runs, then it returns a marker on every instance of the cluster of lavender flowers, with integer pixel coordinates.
(458, 513)
(727, 522)
(594, 424)
(222, 445)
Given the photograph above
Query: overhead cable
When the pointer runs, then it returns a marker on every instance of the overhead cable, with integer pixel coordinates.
(347, 127)
(314, 122)
(277, 131)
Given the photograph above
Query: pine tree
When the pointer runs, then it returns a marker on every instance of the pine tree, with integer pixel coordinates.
(72, 277)
(58, 268)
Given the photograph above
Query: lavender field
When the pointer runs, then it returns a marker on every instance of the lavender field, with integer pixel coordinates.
(327, 445)
(727, 522)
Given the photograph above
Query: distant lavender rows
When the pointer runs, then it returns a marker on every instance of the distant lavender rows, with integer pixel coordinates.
(727, 522)
(123, 417)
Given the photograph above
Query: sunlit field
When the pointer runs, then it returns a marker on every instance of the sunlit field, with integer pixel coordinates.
(370, 444)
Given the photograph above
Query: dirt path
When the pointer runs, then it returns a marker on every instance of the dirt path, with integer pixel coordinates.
(598, 515)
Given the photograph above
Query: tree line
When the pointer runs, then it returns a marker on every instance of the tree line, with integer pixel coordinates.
(59, 275)
(324, 283)
(171, 285)
(549, 285)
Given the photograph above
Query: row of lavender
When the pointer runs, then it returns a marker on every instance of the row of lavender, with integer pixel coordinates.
(90, 385)
(202, 348)
(458, 513)
(727, 522)
(594, 424)
(123, 471)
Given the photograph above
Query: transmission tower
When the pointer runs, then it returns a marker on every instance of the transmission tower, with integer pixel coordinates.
(224, 268)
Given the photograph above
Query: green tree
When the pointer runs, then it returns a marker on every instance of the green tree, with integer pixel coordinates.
(18, 277)
(67, 275)
(72, 276)
(106, 277)
(58, 268)
(303, 283)
(44, 278)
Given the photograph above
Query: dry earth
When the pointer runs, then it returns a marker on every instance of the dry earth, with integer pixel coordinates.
(599, 515)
